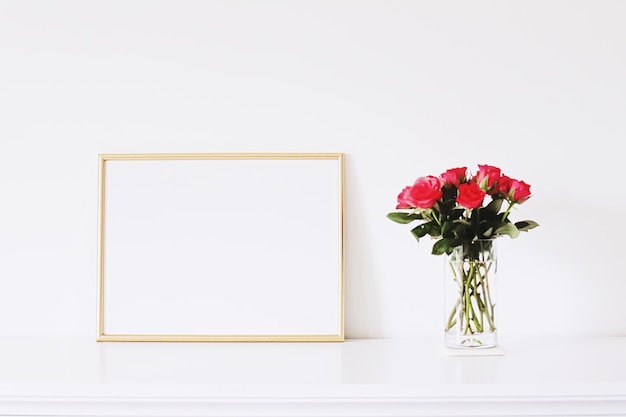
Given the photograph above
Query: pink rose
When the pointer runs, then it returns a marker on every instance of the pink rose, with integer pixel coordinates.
(454, 176)
(470, 195)
(403, 199)
(487, 177)
(424, 193)
(519, 191)
(513, 190)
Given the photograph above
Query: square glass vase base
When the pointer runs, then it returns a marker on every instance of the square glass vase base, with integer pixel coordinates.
(490, 351)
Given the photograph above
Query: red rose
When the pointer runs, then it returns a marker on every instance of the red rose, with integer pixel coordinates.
(454, 176)
(519, 191)
(470, 195)
(504, 184)
(487, 177)
(424, 193)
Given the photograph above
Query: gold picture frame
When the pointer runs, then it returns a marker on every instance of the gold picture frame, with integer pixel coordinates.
(205, 247)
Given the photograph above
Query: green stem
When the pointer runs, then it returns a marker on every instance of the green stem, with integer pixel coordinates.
(474, 308)
(508, 209)
(468, 326)
(451, 317)
(435, 217)
(479, 301)
(470, 293)
(475, 297)
(490, 305)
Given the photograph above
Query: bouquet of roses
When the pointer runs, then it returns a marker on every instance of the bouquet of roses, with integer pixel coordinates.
(464, 213)
(452, 208)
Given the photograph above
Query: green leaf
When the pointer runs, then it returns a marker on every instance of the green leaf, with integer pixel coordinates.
(440, 247)
(463, 222)
(444, 245)
(421, 230)
(526, 225)
(456, 228)
(495, 205)
(435, 229)
(403, 217)
(486, 213)
(489, 228)
(457, 213)
(447, 228)
(508, 229)
(449, 193)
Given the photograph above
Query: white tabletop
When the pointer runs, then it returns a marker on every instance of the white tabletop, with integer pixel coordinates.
(383, 377)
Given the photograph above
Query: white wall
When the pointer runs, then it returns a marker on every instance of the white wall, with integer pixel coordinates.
(403, 88)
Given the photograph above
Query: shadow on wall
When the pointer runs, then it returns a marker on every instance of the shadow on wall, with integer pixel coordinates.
(363, 312)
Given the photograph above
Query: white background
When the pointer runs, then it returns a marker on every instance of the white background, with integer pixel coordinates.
(403, 88)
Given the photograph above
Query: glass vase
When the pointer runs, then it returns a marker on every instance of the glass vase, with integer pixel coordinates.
(470, 295)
